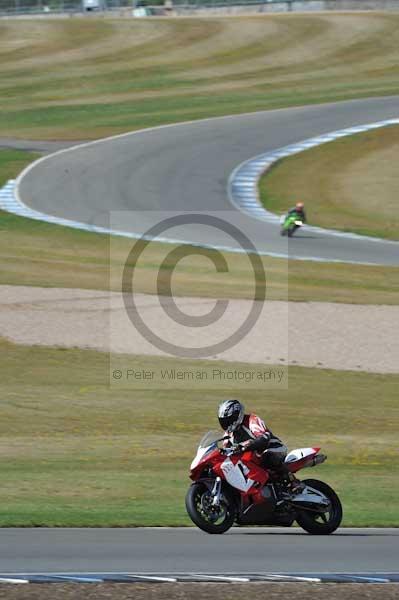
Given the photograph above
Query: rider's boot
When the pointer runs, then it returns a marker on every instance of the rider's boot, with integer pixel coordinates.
(290, 485)
(294, 485)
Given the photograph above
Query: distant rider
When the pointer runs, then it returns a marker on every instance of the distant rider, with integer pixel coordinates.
(249, 432)
(298, 209)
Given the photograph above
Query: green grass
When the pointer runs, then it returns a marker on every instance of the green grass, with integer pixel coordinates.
(77, 453)
(351, 184)
(87, 78)
(40, 254)
(12, 162)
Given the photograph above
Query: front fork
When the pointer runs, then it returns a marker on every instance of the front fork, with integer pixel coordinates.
(216, 492)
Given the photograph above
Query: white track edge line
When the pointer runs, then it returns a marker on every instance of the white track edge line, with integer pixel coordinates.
(153, 578)
(231, 578)
(22, 210)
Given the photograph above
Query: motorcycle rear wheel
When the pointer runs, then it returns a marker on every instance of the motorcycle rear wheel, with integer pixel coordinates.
(313, 522)
(196, 499)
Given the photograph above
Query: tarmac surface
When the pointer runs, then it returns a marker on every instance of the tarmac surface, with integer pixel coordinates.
(184, 550)
(186, 167)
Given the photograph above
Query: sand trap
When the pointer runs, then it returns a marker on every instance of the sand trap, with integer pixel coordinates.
(315, 334)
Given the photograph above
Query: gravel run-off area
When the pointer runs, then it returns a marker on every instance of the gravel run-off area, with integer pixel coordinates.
(313, 334)
(200, 591)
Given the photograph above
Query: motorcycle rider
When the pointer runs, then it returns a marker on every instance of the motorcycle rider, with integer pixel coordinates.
(249, 432)
(298, 209)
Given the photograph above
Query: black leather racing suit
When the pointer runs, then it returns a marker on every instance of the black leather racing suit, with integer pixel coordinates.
(253, 434)
(300, 212)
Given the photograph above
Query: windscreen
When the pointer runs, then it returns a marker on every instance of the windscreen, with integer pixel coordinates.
(210, 438)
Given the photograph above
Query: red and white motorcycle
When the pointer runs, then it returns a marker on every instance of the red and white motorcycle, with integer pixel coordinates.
(231, 487)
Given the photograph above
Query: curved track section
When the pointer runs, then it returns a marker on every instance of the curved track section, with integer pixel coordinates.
(186, 167)
(244, 181)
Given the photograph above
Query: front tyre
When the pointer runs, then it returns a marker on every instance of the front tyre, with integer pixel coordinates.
(321, 523)
(204, 515)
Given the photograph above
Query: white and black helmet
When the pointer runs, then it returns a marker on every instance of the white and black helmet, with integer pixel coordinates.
(231, 415)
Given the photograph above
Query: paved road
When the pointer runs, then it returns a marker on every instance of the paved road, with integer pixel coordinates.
(186, 167)
(190, 550)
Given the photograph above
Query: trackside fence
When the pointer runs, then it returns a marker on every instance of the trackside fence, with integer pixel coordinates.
(129, 8)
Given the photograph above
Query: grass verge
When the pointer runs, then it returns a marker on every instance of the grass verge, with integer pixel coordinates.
(351, 184)
(12, 162)
(77, 453)
(88, 78)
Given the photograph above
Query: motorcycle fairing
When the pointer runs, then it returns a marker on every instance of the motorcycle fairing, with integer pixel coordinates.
(235, 475)
(200, 454)
(300, 458)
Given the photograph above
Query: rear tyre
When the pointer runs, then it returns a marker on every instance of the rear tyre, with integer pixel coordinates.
(321, 523)
(201, 512)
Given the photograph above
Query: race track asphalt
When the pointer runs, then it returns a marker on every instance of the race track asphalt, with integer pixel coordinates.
(186, 168)
(246, 550)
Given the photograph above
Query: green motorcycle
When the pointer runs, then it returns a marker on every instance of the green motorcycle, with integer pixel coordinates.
(289, 224)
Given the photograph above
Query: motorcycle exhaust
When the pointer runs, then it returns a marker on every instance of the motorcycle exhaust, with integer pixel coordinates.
(311, 507)
(318, 459)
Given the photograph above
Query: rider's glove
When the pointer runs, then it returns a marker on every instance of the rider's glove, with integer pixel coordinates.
(245, 445)
(241, 447)
(236, 448)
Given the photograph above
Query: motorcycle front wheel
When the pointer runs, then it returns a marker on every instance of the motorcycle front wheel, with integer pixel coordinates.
(204, 515)
(321, 523)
